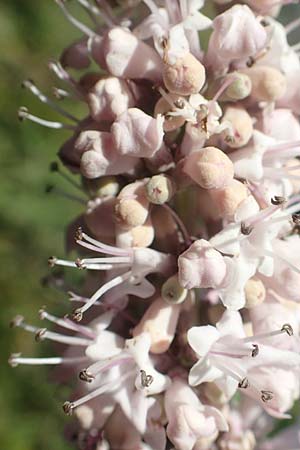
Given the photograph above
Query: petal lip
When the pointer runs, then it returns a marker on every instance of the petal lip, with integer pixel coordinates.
(202, 338)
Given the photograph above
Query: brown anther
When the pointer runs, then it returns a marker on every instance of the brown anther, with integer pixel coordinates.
(42, 313)
(79, 264)
(244, 383)
(68, 408)
(54, 167)
(296, 219)
(16, 321)
(40, 334)
(266, 396)
(77, 315)
(179, 103)
(264, 22)
(229, 139)
(288, 329)
(22, 113)
(246, 230)
(79, 234)
(255, 350)
(52, 261)
(146, 380)
(250, 62)
(84, 375)
(12, 359)
(278, 200)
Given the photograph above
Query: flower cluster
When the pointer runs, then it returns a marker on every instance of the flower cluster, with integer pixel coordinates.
(186, 330)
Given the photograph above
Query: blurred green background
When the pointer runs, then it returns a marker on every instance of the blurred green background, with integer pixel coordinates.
(32, 223)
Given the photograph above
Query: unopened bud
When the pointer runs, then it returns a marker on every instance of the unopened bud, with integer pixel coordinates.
(210, 168)
(240, 87)
(185, 77)
(132, 205)
(102, 187)
(268, 83)
(241, 126)
(172, 292)
(160, 189)
(228, 199)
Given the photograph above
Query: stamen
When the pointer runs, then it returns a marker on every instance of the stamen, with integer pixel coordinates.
(55, 167)
(67, 323)
(78, 313)
(77, 24)
(146, 380)
(60, 94)
(292, 25)
(53, 189)
(63, 75)
(278, 200)
(23, 114)
(286, 328)
(107, 12)
(16, 359)
(68, 407)
(29, 84)
(102, 248)
(43, 333)
(102, 366)
(84, 375)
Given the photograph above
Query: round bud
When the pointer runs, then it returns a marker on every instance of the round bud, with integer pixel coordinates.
(102, 187)
(240, 88)
(228, 199)
(131, 209)
(268, 83)
(160, 189)
(210, 168)
(185, 77)
(172, 292)
(255, 292)
(140, 236)
(241, 124)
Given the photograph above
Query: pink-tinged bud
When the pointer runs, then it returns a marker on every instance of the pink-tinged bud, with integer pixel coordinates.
(241, 126)
(160, 321)
(126, 56)
(98, 156)
(240, 87)
(201, 266)
(76, 55)
(255, 292)
(268, 83)
(228, 199)
(185, 76)
(140, 236)
(132, 205)
(163, 107)
(109, 98)
(237, 36)
(160, 189)
(210, 168)
(137, 134)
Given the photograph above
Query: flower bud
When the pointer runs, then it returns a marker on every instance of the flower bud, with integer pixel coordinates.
(172, 292)
(268, 83)
(102, 187)
(241, 126)
(132, 205)
(255, 292)
(210, 168)
(228, 199)
(160, 189)
(240, 87)
(201, 266)
(140, 236)
(160, 320)
(185, 77)
(109, 98)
